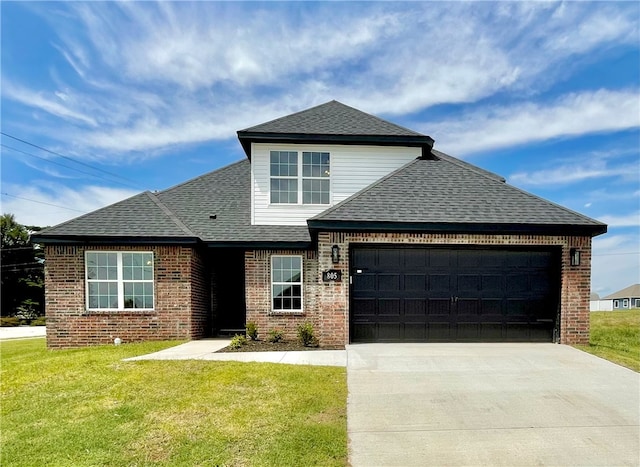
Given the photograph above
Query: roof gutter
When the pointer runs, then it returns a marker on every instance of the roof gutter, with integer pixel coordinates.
(246, 138)
(475, 228)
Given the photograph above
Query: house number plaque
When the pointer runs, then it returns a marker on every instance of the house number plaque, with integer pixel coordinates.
(331, 275)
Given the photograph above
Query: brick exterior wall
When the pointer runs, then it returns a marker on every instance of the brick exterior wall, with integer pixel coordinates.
(326, 304)
(181, 299)
(258, 296)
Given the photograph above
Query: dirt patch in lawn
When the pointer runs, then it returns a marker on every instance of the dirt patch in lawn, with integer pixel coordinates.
(264, 346)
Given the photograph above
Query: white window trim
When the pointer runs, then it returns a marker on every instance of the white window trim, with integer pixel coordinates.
(625, 303)
(301, 283)
(300, 178)
(637, 303)
(120, 281)
(616, 303)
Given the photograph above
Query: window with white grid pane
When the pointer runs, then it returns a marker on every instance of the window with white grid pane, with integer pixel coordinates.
(119, 280)
(286, 283)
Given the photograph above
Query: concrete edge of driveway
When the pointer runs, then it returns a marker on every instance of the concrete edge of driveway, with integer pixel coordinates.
(206, 349)
(22, 332)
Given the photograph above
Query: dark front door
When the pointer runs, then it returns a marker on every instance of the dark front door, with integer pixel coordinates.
(228, 305)
(453, 294)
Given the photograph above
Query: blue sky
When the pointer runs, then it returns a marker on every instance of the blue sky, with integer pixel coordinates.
(140, 95)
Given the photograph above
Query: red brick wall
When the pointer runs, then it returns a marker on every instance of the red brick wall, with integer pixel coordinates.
(258, 296)
(574, 288)
(180, 299)
(326, 304)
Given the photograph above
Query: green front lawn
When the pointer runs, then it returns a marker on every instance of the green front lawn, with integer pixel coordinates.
(615, 335)
(88, 407)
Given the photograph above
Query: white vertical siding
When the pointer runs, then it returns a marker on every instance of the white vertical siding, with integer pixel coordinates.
(352, 169)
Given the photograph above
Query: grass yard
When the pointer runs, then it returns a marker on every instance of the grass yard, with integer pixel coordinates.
(86, 407)
(615, 335)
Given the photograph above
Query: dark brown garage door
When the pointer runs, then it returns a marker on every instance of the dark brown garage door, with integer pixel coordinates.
(447, 295)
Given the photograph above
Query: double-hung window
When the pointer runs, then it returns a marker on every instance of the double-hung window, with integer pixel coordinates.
(308, 175)
(286, 283)
(119, 280)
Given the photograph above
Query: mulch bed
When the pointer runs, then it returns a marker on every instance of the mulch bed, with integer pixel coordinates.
(264, 346)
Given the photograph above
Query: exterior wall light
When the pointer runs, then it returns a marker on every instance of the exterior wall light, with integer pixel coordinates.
(574, 254)
(335, 254)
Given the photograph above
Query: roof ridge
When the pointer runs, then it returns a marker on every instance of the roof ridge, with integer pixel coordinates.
(469, 166)
(287, 116)
(202, 176)
(364, 190)
(383, 120)
(170, 214)
(485, 173)
(386, 122)
(620, 293)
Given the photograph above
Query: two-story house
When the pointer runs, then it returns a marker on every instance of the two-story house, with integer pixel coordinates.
(335, 217)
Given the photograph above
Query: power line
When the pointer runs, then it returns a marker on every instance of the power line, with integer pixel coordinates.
(67, 157)
(66, 166)
(42, 202)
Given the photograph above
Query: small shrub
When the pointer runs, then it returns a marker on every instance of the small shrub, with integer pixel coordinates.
(238, 341)
(9, 322)
(275, 335)
(252, 331)
(39, 321)
(307, 336)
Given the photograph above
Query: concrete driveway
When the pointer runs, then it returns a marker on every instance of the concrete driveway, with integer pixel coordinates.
(489, 404)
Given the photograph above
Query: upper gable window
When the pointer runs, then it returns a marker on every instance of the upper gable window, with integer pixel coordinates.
(291, 175)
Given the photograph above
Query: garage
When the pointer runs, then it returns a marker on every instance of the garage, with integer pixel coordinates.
(451, 294)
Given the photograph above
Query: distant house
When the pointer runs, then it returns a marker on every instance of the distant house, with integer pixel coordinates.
(626, 298)
(598, 304)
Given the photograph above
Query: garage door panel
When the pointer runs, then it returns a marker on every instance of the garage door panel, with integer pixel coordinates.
(468, 307)
(439, 332)
(389, 307)
(390, 332)
(491, 331)
(389, 282)
(467, 331)
(415, 282)
(440, 284)
(415, 307)
(468, 283)
(364, 283)
(439, 306)
(364, 307)
(416, 332)
(447, 294)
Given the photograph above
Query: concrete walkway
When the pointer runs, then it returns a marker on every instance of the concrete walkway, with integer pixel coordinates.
(22, 332)
(489, 405)
(205, 350)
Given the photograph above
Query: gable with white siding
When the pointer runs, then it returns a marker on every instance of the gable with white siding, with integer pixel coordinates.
(352, 167)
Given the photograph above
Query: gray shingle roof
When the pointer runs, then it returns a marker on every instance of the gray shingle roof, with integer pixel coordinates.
(332, 118)
(225, 194)
(633, 291)
(183, 213)
(142, 215)
(448, 191)
(332, 122)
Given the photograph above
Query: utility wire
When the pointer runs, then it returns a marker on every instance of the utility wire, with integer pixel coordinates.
(66, 166)
(67, 157)
(42, 202)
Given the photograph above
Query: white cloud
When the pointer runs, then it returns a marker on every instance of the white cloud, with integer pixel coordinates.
(40, 101)
(61, 203)
(152, 75)
(572, 172)
(615, 263)
(572, 115)
(626, 220)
